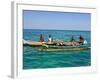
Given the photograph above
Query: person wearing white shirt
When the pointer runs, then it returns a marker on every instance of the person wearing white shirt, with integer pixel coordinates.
(49, 39)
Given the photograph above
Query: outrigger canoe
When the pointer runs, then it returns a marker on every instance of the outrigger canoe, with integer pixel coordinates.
(45, 46)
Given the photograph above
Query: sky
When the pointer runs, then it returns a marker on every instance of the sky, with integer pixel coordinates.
(56, 20)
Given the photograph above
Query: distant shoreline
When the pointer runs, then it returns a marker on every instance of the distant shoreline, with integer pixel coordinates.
(59, 30)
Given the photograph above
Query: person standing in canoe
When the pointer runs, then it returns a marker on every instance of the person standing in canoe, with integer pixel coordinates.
(41, 38)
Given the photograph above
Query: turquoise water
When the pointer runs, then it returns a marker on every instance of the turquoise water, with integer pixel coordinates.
(32, 59)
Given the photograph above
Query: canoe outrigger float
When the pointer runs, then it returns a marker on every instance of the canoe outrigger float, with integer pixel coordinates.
(64, 48)
(45, 46)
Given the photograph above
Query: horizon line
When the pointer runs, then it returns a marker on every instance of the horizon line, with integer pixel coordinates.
(58, 29)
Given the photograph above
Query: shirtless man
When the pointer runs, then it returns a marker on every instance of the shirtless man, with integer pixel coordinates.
(41, 38)
(81, 40)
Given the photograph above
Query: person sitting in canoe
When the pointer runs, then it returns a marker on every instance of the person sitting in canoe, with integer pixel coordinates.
(72, 39)
(41, 38)
(49, 39)
(82, 40)
(73, 42)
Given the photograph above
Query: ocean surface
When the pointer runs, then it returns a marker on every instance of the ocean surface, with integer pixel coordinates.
(33, 59)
